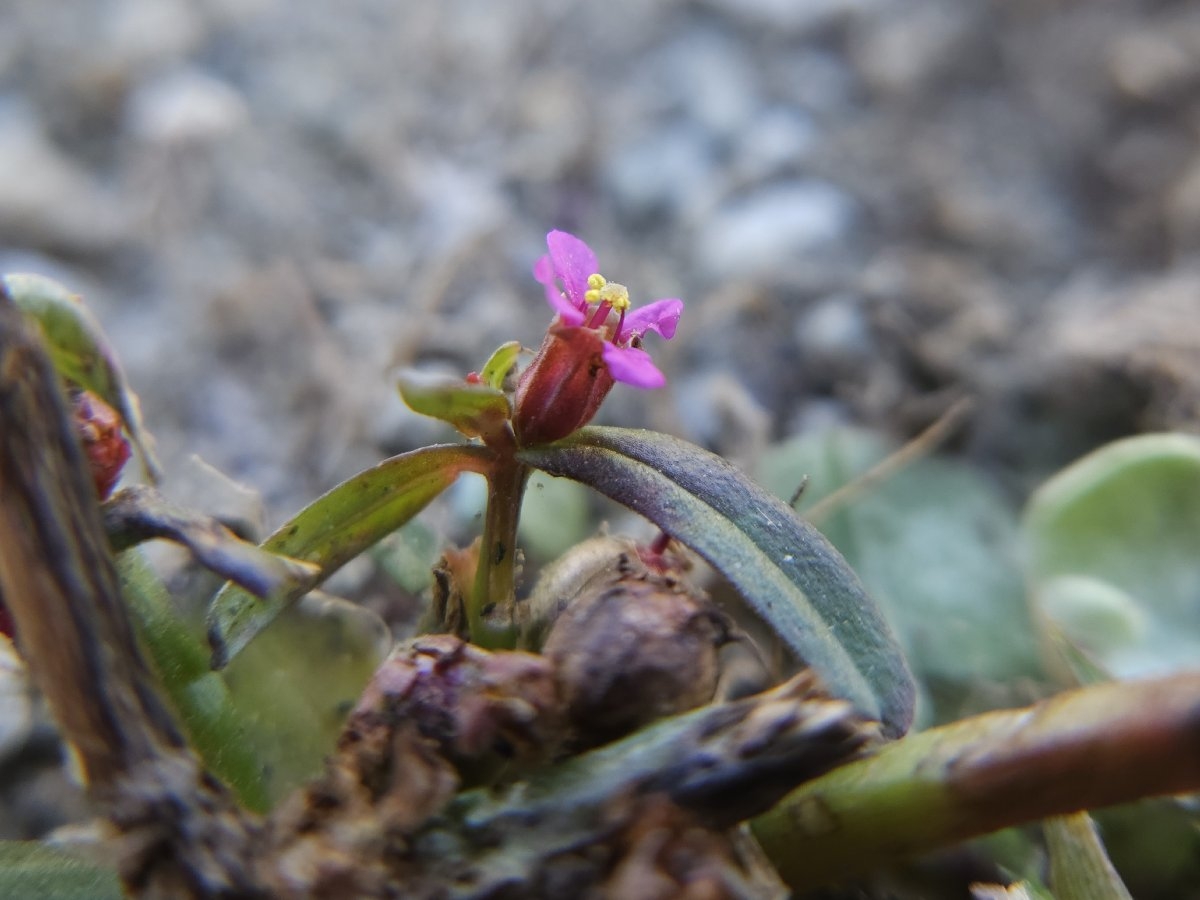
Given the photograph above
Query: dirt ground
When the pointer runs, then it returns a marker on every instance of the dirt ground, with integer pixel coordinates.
(869, 208)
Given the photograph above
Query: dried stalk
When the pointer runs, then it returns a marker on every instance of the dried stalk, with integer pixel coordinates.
(181, 835)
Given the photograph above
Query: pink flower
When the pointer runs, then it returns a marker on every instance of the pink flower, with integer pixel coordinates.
(582, 297)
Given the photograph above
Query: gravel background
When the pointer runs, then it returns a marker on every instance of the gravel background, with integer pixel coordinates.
(870, 208)
(867, 206)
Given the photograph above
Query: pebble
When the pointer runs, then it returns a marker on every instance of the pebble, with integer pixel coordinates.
(773, 228)
(45, 196)
(717, 411)
(185, 106)
(779, 139)
(834, 333)
(789, 16)
(1156, 61)
(662, 173)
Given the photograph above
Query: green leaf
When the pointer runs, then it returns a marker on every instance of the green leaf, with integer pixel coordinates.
(1112, 544)
(81, 353)
(337, 527)
(499, 364)
(1079, 867)
(475, 410)
(219, 732)
(787, 572)
(408, 556)
(555, 516)
(298, 708)
(32, 869)
(937, 545)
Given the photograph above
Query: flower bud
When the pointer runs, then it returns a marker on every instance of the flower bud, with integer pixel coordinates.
(99, 429)
(563, 387)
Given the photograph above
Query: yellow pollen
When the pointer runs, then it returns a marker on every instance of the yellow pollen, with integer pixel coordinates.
(595, 283)
(616, 296)
(601, 290)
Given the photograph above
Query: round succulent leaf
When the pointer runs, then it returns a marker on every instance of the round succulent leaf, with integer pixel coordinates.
(1112, 544)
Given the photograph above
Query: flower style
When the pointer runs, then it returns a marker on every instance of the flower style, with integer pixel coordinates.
(587, 299)
(594, 341)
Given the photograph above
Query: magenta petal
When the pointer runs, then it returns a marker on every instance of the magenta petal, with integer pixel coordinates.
(573, 262)
(632, 366)
(661, 316)
(543, 271)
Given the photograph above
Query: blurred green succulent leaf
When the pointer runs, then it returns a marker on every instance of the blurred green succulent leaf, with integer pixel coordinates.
(1112, 544)
(935, 543)
(297, 709)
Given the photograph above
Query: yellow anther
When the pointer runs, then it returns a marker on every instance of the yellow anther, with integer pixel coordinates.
(616, 296)
(595, 283)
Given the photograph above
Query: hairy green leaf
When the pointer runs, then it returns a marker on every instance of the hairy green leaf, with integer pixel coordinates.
(32, 869)
(1079, 866)
(337, 527)
(787, 572)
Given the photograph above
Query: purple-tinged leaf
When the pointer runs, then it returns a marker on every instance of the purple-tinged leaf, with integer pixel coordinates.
(788, 573)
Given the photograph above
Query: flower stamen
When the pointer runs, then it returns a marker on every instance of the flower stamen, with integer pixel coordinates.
(606, 296)
(596, 283)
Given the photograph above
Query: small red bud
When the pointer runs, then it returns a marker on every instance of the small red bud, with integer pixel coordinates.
(563, 387)
(99, 429)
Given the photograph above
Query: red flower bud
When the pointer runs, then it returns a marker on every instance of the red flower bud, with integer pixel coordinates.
(563, 387)
(99, 428)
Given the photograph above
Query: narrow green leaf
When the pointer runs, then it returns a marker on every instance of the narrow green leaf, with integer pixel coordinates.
(219, 732)
(1079, 866)
(33, 869)
(499, 364)
(81, 353)
(474, 409)
(337, 527)
(787, 572)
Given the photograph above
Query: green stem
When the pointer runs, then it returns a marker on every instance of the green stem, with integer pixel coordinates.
(491, 606)
(1098, 746)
